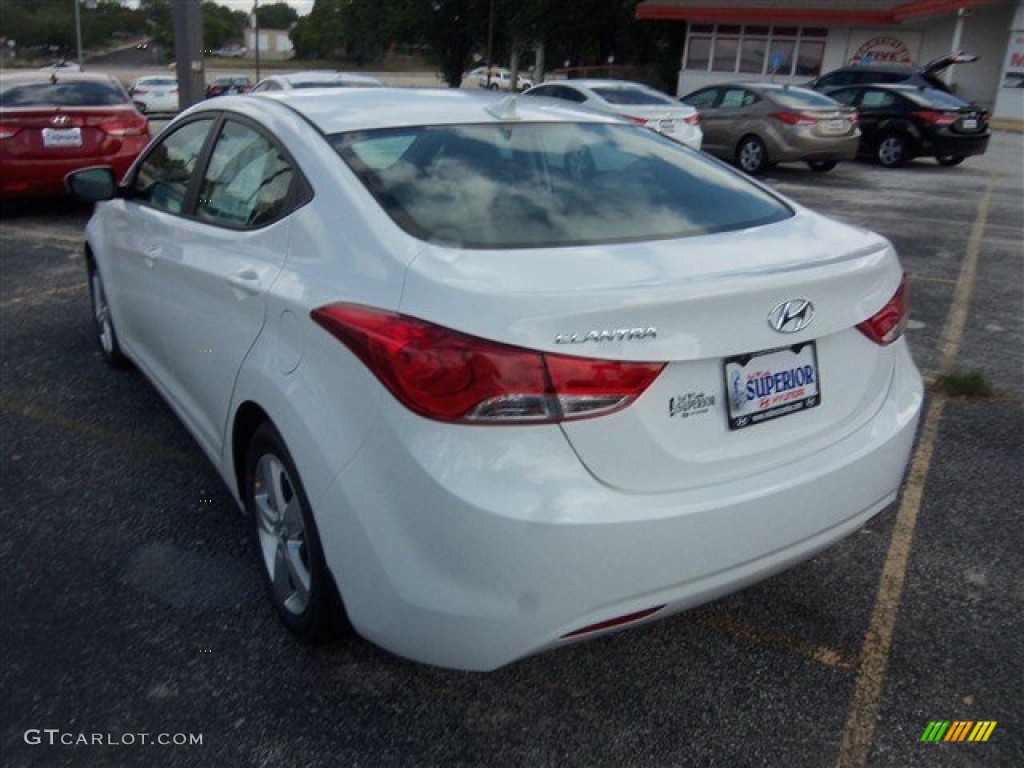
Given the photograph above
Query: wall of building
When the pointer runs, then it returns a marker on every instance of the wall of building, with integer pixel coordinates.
(985, 31)
(1009, 109)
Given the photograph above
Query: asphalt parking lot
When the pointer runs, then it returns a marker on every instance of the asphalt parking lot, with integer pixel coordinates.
(133, 614)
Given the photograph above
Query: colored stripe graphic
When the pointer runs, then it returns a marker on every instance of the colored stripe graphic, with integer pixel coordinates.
(935, 731)
(958, 730)
(982, 730)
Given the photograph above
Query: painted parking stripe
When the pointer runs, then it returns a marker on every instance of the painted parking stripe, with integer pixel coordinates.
(862, 713)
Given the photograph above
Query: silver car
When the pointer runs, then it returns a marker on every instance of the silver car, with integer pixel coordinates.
(315, 79)
(634, 101)
(756, 125)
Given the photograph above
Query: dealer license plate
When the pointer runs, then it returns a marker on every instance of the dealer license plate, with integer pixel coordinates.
(835, 126)
(970, 124)
(62, 137)
(667, 126)
(768, 385)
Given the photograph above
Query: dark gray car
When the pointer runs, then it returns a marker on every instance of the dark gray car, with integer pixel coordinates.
(756, 125)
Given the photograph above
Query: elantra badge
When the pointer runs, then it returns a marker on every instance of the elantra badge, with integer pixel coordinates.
(616, 334)
(791, 316)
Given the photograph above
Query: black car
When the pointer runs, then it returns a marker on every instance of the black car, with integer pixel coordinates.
(901, 122)
(229, 84)
(863, 74)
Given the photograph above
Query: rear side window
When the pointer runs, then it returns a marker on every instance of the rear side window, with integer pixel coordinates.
(878, 99)
(247, 181)
(549, 184)
(64, 94)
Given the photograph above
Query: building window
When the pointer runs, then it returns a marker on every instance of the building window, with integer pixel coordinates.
(755, 49)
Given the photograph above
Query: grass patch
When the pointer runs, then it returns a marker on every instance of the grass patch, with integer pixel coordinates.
(959, 384)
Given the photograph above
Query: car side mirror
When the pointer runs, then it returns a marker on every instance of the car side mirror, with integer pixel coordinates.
(92, 184)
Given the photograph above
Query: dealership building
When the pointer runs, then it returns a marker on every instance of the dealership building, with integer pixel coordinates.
(796, 40)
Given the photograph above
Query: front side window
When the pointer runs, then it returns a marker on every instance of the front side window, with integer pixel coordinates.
(247, 181)
(163, 178)
(549, 184)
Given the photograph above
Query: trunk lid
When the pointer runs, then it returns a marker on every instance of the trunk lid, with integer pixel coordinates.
(48, 134)
(697, 304)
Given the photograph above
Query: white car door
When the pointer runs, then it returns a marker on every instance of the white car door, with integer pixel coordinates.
(142, 228)
(214, 288)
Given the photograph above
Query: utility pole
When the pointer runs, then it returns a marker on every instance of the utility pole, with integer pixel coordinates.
(187, 18)
(256, 34)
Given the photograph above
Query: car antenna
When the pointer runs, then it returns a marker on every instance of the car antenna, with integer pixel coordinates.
(504, 109)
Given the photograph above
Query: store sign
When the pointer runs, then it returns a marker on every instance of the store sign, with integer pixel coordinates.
(1013, 73)
(868, 47)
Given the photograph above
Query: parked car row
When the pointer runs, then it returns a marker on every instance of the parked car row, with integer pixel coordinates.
(753, 125)
(887, 113)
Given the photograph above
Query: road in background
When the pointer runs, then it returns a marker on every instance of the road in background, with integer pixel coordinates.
(132, 602)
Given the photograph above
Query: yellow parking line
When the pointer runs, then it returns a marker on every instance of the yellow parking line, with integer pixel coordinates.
(46, 416)
(859, 733)
(730, 626)
(28, 297)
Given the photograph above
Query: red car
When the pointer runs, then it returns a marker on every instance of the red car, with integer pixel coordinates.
(52, 124)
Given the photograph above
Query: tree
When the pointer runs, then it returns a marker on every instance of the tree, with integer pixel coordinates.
(276, 16)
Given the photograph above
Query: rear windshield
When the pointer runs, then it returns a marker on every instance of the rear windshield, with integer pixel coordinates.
(637, 96)
(933, 97)
(63, 94)
(801, 98)
(550, 184)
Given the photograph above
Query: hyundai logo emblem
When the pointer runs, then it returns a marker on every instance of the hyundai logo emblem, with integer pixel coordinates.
(791, 316)
(60, 120)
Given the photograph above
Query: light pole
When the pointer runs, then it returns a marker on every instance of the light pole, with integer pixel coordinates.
(490, 41)
(78, 33)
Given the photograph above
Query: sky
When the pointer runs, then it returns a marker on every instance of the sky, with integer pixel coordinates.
(302, 6)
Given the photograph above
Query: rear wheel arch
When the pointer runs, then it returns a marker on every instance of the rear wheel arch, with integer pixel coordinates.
(248, 418)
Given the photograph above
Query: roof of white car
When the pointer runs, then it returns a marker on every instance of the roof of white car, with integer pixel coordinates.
(327, 77)
(367, 108)
(602, 83)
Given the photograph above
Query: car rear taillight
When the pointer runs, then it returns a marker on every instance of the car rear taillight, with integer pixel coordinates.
(9, 131)
(888, 323)
(693, 119)
(125, 128)
(637, 120)
(450, 376)
(795, 118)
(936, 118)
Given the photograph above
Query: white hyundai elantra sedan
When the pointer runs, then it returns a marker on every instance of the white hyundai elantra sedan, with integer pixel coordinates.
(492, 375)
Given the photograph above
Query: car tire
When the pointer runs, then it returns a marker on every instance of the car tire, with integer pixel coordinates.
(949, 160)
(751, 155)
(292, 563)
(892, 151)
(822, 166)
(103, 321)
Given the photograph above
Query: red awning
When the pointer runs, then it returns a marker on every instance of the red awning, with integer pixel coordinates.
(839, 13)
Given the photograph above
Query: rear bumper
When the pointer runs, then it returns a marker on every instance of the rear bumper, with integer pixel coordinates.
(965, 146)
(802, 145)
(45, 178)
(472, 547)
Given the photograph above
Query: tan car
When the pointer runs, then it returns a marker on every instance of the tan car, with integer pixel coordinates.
(756, 125)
